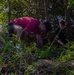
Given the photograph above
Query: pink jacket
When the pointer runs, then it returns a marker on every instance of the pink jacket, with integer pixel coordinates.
(30, 24)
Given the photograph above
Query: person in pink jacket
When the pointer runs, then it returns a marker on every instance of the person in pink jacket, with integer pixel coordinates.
(24, 26)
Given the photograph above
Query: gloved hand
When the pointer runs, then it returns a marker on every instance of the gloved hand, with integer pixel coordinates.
(18, 47)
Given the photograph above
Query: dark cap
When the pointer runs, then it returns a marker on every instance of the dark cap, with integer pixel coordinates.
(63, 23)
(10, 28)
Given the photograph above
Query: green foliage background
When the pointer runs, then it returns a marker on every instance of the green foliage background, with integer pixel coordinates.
(10, 56)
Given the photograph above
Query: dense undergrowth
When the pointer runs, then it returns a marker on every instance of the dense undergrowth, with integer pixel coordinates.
(24, 60)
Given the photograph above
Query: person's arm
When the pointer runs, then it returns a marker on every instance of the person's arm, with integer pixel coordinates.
(59, 41)
(23, 35)
(39, 40)
(58, 33)
(19, 32)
